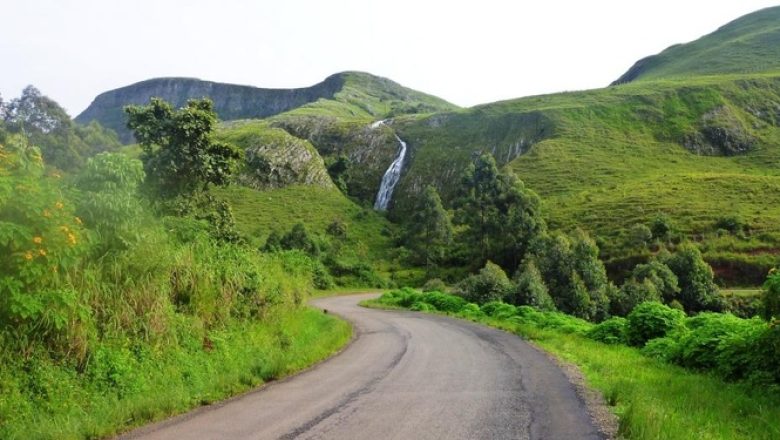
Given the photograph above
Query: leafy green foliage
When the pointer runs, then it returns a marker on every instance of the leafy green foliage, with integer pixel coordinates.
(530, 289)
(109, 201)
(771, 295)
(298, 238)
(573, 273)
(430, 230)
(501, 215)
(698, 291)
(612, 331)
(652, 320)
(63, 144)
(180, 154)
(490, 284)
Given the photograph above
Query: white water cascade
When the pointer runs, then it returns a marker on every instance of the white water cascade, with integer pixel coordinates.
(391, 176)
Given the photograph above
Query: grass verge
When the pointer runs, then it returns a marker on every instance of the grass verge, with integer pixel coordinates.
(652, 399)
(44, 400)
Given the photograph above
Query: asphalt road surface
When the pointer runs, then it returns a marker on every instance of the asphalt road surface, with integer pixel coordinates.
(407, 376)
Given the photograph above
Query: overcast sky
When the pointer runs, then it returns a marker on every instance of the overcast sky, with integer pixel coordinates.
(468, 52)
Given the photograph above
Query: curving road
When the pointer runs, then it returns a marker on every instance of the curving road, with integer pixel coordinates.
(406, 376)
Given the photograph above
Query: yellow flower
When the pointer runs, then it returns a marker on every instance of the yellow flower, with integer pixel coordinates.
(42, 252)
(37, 240)
(28, 256)
(59, 205)
(72, 239)
(64, 229)
(78, 220)
(46, 213)
(56, 175)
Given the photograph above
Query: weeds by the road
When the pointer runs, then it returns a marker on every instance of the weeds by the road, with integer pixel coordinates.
(153, 385)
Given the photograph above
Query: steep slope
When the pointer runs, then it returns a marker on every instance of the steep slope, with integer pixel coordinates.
(347, 94)
(608, 159)
(749, 44)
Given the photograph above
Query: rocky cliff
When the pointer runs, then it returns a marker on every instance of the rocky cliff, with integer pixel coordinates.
(230, 101)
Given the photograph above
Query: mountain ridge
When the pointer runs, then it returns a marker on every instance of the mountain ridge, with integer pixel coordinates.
(748, 44)
(232, 101)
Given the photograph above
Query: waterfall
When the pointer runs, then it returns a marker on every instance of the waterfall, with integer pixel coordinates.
(391, 176)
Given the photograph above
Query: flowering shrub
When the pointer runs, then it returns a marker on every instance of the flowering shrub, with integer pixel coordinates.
(40, 239)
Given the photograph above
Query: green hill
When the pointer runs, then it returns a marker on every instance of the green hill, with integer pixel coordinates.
(346, 94)
(747, 45)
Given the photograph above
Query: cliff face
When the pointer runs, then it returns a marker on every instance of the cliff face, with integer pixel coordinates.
(274, 158)
(230, 101)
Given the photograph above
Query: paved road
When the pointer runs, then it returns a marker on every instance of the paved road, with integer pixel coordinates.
(407, 376)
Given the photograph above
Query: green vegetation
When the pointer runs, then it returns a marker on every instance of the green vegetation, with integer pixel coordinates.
(63, 143)
(748, 44)
(118, 307)
(653, 400)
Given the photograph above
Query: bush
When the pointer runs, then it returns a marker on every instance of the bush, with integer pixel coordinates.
(652, 320)
(665, 349)
(530, 288)
(731, 223)
(490, 284)
(611, 331)
(434, 285)
(499, 310)
(631, 294)
(698, 291)
(771, 296)
(443, 301)
(700, 347)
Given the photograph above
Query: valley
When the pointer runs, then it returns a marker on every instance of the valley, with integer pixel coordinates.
(183, 241)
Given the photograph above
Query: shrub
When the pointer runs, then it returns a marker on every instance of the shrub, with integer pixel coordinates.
(698, 291)
(443, 301)
(700, 347)
(470, 310)
(299, 238)
(490, 284)
(664, 349)
(640, 235)
(661, 227)
(530, 288)
(434, 285)
(652, 320)
(422, 307)
(731, 223)
(499, 310)
(633, 293)
(771, 295)
(611, 331)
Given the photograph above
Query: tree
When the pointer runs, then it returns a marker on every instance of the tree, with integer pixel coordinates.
(640, 235)
(771, 296)
(570, 266)
(698, 291)
(490, 284)
(502, 216)
(632, 293)
(431, 229)
(273, 243)
(530, 288)
(660, 276)
(180, 155)
(661, 227)
(299, 238)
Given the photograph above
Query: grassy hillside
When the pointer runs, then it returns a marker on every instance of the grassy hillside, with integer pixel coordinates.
(746, 45)
(696, 150)
(258, 212)
(347, 95)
